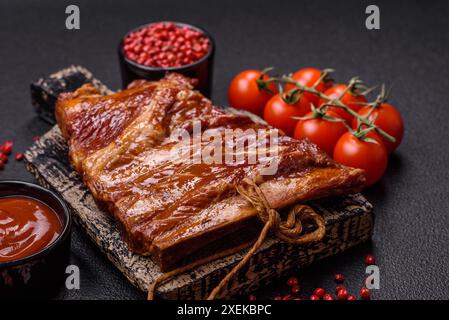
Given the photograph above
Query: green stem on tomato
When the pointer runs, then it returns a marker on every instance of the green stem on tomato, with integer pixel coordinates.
(336, 103)
(324, 74)
(263, 84)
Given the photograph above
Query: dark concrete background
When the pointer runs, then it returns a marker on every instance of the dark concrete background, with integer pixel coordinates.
(410, 51)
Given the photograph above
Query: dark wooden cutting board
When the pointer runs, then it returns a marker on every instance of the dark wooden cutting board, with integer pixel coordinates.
(349, 221)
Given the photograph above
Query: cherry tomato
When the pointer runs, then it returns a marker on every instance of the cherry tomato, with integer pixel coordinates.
(308, 77)
(323, 133)
(279, 113)
(349, 99)
(244, 92)
(369, 156)
(387, 118)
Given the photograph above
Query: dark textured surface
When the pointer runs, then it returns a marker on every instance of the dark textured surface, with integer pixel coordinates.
(411, 51)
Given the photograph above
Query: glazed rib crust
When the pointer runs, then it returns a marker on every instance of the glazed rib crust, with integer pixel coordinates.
(121, 145)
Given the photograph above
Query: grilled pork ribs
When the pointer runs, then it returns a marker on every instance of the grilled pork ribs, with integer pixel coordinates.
(173, 206)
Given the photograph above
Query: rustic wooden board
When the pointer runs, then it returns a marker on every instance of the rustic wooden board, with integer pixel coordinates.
(349, 222)
(45, 91)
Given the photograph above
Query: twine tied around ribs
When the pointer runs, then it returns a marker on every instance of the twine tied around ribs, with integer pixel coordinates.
(289, 230)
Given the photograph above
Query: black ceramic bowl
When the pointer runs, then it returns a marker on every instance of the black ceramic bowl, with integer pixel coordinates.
(39, 275)
(202, 70)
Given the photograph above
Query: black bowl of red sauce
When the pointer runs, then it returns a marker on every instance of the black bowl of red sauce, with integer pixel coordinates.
(150, 51)
(35, 226)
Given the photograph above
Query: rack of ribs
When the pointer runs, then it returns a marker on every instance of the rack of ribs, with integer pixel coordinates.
(173, 207)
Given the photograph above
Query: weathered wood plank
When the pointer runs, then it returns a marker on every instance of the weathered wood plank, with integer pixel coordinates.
(45, 91)
(349, 221)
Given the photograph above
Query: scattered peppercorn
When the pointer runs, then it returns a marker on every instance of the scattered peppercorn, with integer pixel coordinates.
(295, 289)
(339, 287)
(5, 151)
(364, 293)
(369, 260)
(339, 278)
(319, 292)
(6, 148)
(3, 158)
(328, 297)
(292, 281)
(342, 294)
(165, 45)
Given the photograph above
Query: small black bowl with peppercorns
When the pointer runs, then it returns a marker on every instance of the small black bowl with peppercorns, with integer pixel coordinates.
(150, 51)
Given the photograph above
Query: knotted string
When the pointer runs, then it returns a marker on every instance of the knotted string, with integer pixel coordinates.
(289, 231)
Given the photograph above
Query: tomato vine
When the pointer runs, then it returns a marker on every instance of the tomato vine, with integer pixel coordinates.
(365, 124)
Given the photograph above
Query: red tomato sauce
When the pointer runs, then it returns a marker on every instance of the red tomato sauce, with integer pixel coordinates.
(26, 227)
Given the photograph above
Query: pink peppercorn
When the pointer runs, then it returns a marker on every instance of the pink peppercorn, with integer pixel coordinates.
(166, 45)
